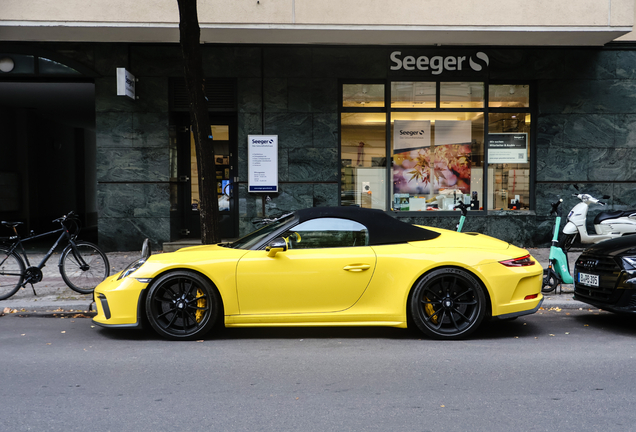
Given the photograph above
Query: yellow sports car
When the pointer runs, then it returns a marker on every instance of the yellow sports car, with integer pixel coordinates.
(329, 266)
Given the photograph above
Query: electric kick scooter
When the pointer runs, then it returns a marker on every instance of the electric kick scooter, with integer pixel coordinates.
(464, 208)
(558, 271)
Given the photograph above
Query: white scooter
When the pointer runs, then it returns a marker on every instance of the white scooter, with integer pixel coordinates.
(608, 224)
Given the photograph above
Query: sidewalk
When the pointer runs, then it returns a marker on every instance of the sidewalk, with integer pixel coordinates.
(54, 296)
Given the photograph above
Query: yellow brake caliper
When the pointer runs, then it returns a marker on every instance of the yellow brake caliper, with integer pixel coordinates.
(201, 303)
(430, 311)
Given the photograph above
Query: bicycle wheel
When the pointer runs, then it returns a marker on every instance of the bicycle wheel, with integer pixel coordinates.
(11, 273)
(83, 268)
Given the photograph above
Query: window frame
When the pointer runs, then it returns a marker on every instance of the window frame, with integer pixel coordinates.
(486, 110)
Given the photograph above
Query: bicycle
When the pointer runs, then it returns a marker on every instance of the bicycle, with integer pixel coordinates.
(82, 264)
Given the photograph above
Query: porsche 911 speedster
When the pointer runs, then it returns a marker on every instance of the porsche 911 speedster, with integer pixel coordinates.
(329, 266)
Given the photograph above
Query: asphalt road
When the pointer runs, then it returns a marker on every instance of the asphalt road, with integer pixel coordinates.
(566, 371)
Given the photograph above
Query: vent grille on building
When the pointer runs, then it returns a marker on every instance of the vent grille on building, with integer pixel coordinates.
(221, 94)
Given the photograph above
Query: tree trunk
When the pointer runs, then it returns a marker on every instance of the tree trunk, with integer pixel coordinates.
(189, 33)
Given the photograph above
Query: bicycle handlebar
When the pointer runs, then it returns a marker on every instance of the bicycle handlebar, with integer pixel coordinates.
(69, 215)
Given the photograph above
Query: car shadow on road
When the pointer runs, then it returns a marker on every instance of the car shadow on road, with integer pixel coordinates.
(529, 326)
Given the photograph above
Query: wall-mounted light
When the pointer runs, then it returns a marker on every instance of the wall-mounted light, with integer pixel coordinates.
(6, 64)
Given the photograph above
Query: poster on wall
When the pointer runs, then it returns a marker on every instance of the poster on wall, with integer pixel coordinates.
(507, 148)
(422, 168)
(262, 163)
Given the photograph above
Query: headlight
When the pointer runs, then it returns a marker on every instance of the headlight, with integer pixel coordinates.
(132, 268)
(629, 264)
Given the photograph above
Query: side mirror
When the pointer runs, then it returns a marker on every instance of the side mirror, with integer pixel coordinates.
(145, 249)
(277, 245)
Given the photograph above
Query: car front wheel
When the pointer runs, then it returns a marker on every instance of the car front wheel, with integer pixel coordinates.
(448, 303)
(182, 305)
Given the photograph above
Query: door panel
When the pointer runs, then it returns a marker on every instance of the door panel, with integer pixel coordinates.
(303, 280)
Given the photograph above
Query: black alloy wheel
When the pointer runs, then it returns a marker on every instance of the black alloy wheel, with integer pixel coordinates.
(182, 305)
(448, 303)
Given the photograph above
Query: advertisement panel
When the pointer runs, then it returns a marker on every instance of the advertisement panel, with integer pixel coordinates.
(262, 163)
(507, 148)
(422, 168)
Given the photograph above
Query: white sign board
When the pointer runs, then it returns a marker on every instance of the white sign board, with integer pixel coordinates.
(508, 148)
(411, 135)
(262, 163)
(125, 83)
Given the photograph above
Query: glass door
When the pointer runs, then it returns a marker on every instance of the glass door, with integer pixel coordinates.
(223, 132)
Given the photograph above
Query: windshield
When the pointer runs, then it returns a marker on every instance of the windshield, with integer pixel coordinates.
(255, 237)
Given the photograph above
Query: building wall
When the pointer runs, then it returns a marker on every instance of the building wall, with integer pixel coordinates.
(133, 194)
(600, 13)
(377, 22)
(586, 130)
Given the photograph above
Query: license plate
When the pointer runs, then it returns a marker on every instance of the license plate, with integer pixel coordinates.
(588, 279)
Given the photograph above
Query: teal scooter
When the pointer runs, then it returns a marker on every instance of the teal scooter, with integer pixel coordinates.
(464, 208)
(558, 271)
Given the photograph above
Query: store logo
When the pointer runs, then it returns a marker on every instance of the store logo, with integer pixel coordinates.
(412, 133)
(438, 64)
(476, 66)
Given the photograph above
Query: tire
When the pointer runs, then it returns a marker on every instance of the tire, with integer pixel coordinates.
(567, 240)
(182, 305)
(448, 303)
(550, 281)
(79, 278)
(11, 273)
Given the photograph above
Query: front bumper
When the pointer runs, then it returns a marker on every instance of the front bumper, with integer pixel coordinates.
(118, 302)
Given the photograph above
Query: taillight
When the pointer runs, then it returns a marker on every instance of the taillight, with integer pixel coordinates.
(518, 262)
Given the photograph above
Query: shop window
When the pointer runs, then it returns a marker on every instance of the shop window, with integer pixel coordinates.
(363, 95)
(413, 94)
(437, 159)
(436, 136)
(509, 161)
(509, 96)
(363, 159)
(461, 95)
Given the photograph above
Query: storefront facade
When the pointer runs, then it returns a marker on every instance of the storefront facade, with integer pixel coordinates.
(408, 129)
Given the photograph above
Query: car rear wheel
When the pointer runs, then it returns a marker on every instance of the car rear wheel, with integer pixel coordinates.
(182, 305)
(448, 303)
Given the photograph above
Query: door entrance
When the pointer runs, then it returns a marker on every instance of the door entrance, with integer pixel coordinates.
(224, 138)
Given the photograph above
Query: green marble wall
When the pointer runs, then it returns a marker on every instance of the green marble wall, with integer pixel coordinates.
(585, 130)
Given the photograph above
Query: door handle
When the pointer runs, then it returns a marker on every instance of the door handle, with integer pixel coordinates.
(357, 267)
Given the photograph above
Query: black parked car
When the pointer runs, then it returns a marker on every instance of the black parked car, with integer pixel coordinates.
(605, 275)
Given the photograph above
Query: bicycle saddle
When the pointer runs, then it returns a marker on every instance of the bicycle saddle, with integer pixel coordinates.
(11, 224)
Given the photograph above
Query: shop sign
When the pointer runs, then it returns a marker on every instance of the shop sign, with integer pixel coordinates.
(125, 83)
(439, 63)
(507, 148)
(262, 163)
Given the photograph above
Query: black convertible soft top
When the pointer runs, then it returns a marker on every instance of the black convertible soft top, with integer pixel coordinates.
(383, 228)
